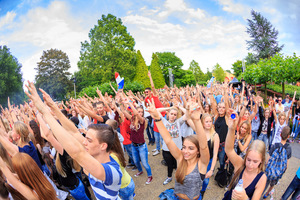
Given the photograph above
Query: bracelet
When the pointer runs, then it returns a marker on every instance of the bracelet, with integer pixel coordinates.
(157, 120)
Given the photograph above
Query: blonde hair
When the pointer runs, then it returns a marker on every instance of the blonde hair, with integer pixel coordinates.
(212, 130)
(282, 114)
(247, 131)
(181, 171)
(259, 147)
(21, 129)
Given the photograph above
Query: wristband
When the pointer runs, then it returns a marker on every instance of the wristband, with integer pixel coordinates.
(157, 120)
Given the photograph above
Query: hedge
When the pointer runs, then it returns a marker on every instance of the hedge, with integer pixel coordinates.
(290, 89)
(105, 87)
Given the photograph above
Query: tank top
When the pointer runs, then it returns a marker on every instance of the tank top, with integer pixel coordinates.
(191, 185)
(249, 190)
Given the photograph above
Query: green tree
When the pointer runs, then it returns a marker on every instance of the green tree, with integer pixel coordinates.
(10, 78)
(184, 77)
(141, 71)
(52, 73)
(156, 73)
(208, 75)
(263, 37)
(219, 73)
(168, 60)
(237, 68)
(197, 72)
(110, 50)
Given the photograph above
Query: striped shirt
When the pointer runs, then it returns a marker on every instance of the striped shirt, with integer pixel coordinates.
(108, 189)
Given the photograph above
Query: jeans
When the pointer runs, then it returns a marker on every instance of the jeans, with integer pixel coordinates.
(221, 156)
(79, 192)
(264, 138)
(296, 128)
(140, 154)
(158, 140)
(127, 192)
(206, 180)
(128, 149)
(254, 135)
(293, 187)
(150, 132)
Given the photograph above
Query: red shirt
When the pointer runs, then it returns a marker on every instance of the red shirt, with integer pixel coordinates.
(137, 133)
(125, 131)
(158, 104)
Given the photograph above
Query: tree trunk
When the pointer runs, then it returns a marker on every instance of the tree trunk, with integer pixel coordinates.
(265, 90)
(255, 88)
(283, 92)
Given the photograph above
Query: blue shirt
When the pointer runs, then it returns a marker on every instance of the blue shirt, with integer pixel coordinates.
(298, 172)
(108, 189)
(30, 150)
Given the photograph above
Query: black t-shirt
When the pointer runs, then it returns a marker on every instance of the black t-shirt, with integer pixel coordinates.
(297, 111)
(105, 118)
(221, 128)
(70, 179)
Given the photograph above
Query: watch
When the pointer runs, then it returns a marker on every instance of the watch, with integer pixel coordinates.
(157, 120)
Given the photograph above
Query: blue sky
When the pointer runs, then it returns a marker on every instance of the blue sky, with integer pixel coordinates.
(207, 31)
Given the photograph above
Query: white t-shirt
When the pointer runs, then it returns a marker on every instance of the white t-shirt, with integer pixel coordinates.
(278, 129)
(175, 132)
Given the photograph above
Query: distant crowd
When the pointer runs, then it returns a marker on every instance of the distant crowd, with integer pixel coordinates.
(58, 150)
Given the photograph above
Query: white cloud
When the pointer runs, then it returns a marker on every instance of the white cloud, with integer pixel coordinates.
(208, 41)
(235, 8)
(46, 28)
(7, 19)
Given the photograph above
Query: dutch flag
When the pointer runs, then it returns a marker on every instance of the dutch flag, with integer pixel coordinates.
(210, 82)
(119, 80)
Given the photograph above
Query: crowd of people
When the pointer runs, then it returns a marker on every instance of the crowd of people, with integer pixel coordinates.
(52, 150)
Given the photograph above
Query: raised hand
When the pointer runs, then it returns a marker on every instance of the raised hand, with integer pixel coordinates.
(152, 110)
(232, 123)
(47, 99)
(33, 95)
(193, 111)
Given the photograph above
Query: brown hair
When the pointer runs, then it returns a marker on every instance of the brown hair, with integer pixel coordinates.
(104, 134)
(182, 168)
(116, 147)
(6, 189)
(31, 175)
(247, 131)
(285, 132)
(21, 129)
(37, 133)
(258, 146)
(212, 130)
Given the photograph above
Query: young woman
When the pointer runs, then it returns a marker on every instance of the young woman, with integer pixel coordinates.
(127, 185)
(173, 124)
(139, 147)
(213, 142)
(192, 160)
(243, 139)
(250, 169)
(32, 183)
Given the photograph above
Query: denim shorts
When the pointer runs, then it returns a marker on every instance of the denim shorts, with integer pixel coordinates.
(127, 192)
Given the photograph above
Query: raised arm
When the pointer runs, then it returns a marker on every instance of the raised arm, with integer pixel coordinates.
(235, 159)
(11, 148)
(73, 147)
(152, 84)
(193, 112)
(66, 123)
(26, 191)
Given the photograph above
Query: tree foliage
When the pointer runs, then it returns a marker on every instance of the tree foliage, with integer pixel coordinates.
(52, 73)
(141, 71)
(237, 68)
(110, 50)
(156, 72)
(168, 60)
(184, 77)
(219, 73)
(197, 72)
(263, 37)
(10, 78)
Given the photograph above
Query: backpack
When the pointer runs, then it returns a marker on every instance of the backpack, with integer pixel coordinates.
(277, 164)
